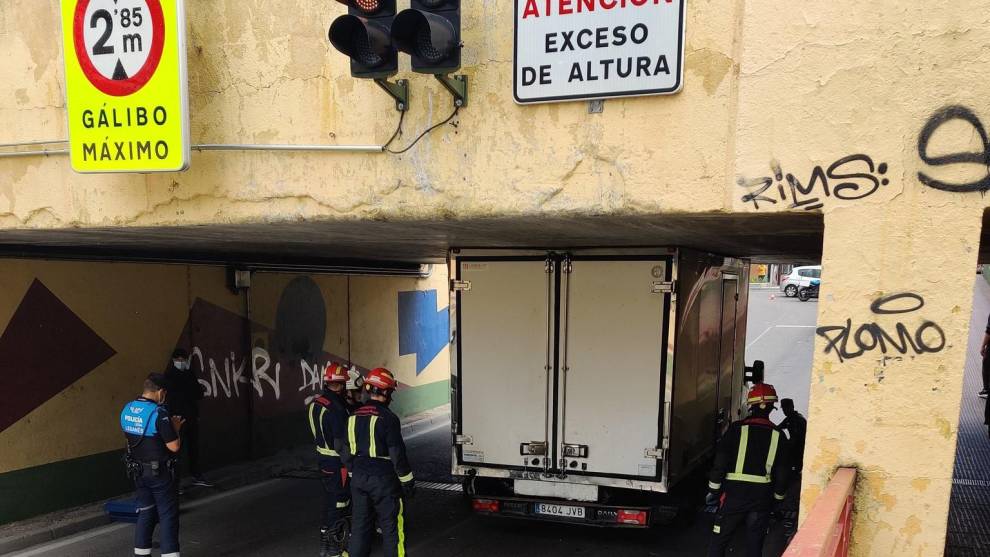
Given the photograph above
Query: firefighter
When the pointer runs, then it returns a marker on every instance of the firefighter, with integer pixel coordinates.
(381, 476)
(328, 423)
(749, 476)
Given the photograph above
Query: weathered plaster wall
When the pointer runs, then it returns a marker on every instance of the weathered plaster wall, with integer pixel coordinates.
(262, 71)
(77, 339)
(830, 80)
(801, 88)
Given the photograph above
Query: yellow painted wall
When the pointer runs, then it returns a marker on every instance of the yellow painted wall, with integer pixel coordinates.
(262, 71)
(824, 81)
(796, 88)
(114, 301)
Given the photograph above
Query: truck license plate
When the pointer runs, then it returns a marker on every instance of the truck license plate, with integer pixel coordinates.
(560, 510)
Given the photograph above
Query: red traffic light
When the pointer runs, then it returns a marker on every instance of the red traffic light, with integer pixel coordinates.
(367, 7)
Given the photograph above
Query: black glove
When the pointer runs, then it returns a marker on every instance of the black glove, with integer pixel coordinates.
(409, 489)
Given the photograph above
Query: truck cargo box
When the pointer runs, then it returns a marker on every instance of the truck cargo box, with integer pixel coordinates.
(580, 374)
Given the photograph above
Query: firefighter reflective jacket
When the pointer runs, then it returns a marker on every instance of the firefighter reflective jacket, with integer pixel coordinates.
(752, 465)
(328, 422)
(374, 443)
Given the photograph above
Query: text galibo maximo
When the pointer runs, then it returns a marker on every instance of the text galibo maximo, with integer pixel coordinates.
(128, 150)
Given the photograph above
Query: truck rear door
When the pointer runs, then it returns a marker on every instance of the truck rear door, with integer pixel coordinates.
(613, 353)
(504, 316)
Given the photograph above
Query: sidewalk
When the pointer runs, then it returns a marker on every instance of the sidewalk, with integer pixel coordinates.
(969, 506)
(290, 463)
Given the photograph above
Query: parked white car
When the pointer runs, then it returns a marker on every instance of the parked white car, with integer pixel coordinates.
(799, 278)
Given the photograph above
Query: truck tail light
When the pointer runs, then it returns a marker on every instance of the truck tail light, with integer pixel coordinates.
(485, 505)
(631, 517)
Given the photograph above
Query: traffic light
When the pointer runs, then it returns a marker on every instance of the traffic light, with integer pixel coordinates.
(430, 32)
(364, 35)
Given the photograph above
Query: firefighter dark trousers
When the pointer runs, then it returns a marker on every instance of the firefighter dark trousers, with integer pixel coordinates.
(158, 505)
(756, 524)
(377, 497)
(336, 492)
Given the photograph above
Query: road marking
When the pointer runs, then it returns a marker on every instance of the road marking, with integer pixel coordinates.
(439, 486)
(52, 546)
(759, 337)
(964, 481)
(772, 327)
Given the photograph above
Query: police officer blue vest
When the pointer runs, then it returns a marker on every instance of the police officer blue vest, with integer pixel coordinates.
(139, 417)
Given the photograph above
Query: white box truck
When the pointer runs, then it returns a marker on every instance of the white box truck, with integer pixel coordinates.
(588, 385)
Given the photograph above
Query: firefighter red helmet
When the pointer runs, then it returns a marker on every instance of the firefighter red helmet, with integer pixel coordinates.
(335, 373)
(380, 379)
(762, 393)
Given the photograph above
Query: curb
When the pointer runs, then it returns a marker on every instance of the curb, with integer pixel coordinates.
(426, 420)
(93, 518)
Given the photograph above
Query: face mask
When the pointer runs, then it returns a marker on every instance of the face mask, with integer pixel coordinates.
(180, 364)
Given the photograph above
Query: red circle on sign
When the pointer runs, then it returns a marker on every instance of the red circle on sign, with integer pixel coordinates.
(124, 87)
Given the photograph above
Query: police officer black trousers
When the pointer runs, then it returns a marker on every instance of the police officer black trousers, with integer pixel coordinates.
(381, 497)
(158, 505)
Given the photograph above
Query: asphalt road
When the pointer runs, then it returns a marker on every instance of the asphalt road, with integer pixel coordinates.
(781, 332)
(279, 517)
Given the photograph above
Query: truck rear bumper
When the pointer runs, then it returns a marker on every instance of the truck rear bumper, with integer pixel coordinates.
(572, 512)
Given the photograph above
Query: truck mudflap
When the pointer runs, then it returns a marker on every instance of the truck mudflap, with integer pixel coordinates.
(574, 512)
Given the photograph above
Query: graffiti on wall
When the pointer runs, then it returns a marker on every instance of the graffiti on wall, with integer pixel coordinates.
(423, 330)
(226, 379)
(848, 178)
(282, 365)
(45, 348)
(905, 336)
(982, 157)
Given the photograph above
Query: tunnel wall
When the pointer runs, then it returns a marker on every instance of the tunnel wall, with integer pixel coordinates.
(77, 339)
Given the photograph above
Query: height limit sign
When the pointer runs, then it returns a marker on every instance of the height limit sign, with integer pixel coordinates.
(126, 85)
(595, 49)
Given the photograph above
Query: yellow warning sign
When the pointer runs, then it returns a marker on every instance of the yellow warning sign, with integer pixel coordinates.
(126, 85)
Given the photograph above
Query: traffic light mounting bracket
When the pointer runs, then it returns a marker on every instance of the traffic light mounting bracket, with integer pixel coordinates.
(458, 87)
(398, 91)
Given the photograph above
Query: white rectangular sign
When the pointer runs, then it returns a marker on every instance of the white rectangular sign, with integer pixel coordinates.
(593, 49)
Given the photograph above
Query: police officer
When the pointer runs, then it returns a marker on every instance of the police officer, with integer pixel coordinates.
(381, 475)
(749, 476)
(796, 427)
(328, 422)
(152, 444)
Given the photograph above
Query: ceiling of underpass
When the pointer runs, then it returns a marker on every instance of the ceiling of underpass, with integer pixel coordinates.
(784, 237)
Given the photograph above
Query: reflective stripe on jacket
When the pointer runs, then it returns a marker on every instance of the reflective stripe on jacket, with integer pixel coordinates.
(328, 422)
(374, 443)
(752, 465)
